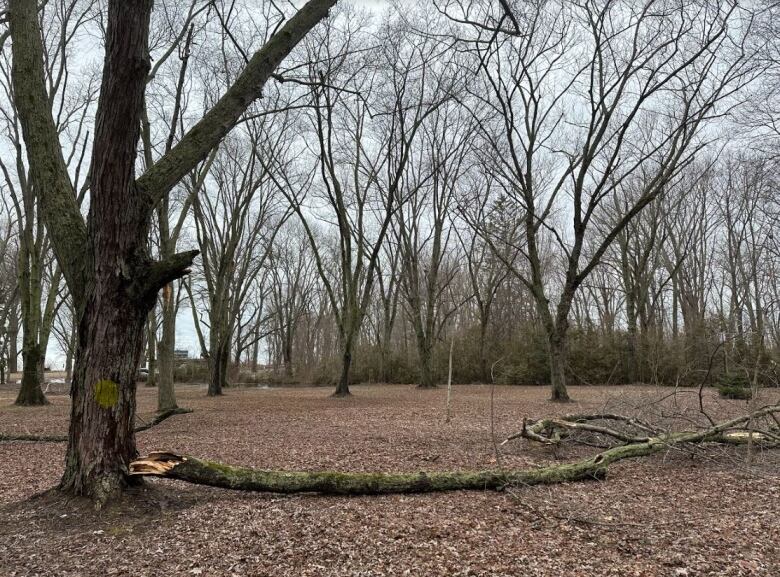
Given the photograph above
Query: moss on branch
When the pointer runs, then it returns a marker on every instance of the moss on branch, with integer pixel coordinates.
(203, 472)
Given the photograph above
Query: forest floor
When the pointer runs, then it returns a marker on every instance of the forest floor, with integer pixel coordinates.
(705, 512)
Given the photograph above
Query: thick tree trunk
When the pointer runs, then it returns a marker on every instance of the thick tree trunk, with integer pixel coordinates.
(218, 367)
(383, 368)
(13, 342)
(631, 338)
(194, 470)
(342, 388)
(121, 284)
(256, 350)
(30, 393)
(287, 355)
(166, 394)
(557, 353)
(101, 439)
(425, 357)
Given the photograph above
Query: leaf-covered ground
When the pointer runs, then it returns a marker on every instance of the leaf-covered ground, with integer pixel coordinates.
(697, 513)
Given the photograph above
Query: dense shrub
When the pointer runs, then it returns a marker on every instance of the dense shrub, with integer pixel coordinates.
(735, 386)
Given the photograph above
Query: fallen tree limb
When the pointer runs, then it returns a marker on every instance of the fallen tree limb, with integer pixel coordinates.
(202, 472)
(553, 430)
(159, 418)
(34, 438)
(533, 429)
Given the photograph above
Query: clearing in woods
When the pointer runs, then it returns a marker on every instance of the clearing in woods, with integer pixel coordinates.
(704, 512)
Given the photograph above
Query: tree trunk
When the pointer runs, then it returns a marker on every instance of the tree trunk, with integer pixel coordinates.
(30, 393)
(29, 281)
(287, 354)
(255, 350)
(218, 367)
(631, 337)
(121, 284)
(69, 355)
(166, 394)
(151, 350)
(101, 439)
(427, 380)
(13, 341)
(484, 372)
(557, 353)
(342, 388)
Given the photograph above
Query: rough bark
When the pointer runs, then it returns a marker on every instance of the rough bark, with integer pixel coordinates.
(201, 472)
(218, 368)
(342, 388)
(13, 340)
(425, 355)
(558, 370)
(30, 392)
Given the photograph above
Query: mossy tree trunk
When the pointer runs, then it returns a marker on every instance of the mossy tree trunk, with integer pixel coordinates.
(105, 261)
(202, 472)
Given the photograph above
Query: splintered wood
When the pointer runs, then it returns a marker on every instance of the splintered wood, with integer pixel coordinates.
(156, 463)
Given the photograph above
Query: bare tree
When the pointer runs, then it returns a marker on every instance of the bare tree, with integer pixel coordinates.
(642, 81)
(293, 278)
(236, 222)
(423, 230)
(105, 260)
(364, 135)
(8, 284)
(166, 103)
(72, 100)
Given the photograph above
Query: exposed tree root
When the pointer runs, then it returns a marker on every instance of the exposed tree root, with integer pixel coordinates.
(198, 471)
(63, 438)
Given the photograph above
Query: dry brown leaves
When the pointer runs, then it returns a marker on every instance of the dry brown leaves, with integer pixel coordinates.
(679, 514)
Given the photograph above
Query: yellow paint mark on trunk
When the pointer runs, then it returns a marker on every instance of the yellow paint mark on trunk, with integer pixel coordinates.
(106, 393)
